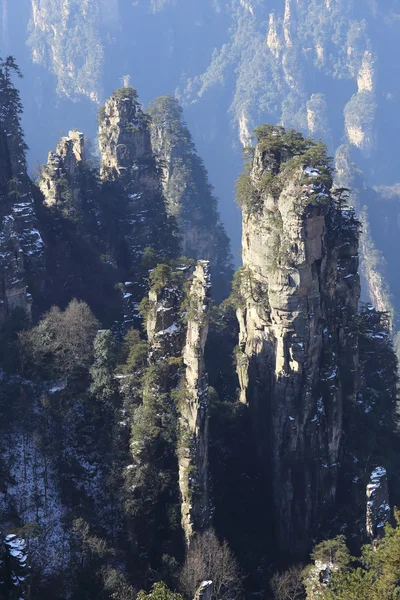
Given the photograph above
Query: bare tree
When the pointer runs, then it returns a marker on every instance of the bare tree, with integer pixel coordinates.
(62, 342)
(289, 584)
(208, 559)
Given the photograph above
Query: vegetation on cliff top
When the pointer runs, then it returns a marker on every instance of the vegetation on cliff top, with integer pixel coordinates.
(281, 153)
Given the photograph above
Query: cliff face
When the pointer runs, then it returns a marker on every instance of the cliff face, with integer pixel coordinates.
(124, 138)
(177, 328)
(193, 406)
(323, 67)
(297, 354)
(188, 192)
(131, 182)
(62, 175)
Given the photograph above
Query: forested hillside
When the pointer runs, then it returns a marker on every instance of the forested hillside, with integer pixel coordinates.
(170, 429)
(167, 430)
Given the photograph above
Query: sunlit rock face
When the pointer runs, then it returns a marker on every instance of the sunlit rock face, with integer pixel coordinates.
(177, 330)
(129, 174)
(193, 451)
(124, 137)
(299, 290)
(62, 175)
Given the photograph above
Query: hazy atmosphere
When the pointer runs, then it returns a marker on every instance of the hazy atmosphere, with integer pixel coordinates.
(199, 299)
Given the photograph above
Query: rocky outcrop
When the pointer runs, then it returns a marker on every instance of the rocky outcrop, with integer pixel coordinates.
(297, 355)
(61, 179)
(177, 328)
(127, 159)
(373, 268)
(378, 507)
(359, 116)
(131, 180)
(317, 118)
(165, 331)
(188, 192)
(124, 138)
(193, 409)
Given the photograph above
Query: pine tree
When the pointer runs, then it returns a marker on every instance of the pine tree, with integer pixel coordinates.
(10, 115)
(102, 371)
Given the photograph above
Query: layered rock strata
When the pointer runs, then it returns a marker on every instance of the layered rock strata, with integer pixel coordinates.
(193, 406)
(177, 328)
(61, 178)
(297, 354)
(131, 179)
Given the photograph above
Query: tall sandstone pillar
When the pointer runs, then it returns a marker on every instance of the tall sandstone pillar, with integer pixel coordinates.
(298, 297)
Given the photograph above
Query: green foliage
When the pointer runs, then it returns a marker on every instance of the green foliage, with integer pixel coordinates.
(376, 575)
(125, 92)
(103, 384)
(285, 143)
(116, 585)
(283, 152)
(247, 196)
(149, 258)
(354, 585)
(162, 276)
(61, 345)
(134, 353)
(10, 116)
(151, 482)
(190, 197)
(144, 308)
(240, 281)
(333, 551)
(159, 591)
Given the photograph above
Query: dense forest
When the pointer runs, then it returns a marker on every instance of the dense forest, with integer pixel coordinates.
(170, 430)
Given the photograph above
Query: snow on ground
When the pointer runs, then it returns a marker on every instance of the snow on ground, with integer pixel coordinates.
(33, 494)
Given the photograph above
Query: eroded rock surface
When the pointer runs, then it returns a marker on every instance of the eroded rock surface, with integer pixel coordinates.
(62, 176)
(193, 406)
(299, 290)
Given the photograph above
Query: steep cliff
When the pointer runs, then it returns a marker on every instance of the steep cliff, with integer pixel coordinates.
(135, 221)
(323, 67)
(193, 408)
(61, 179)
(297, 303)
(177, 328)
(188, 192)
